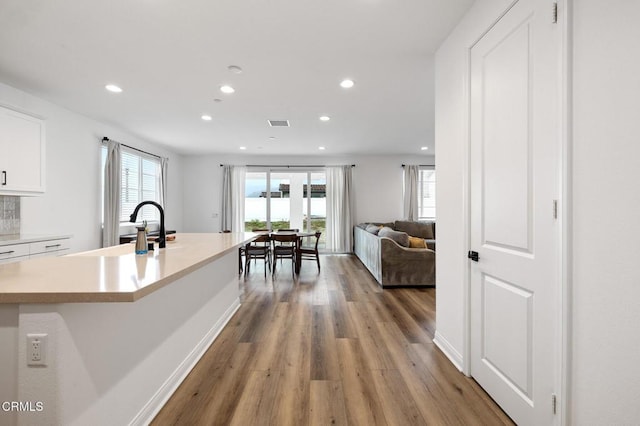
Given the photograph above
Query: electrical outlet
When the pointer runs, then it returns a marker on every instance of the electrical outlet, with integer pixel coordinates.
(37, 349)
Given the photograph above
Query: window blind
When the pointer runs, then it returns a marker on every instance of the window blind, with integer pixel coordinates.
(140, 182)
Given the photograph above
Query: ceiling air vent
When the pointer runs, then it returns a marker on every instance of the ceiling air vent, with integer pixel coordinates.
(278, 123)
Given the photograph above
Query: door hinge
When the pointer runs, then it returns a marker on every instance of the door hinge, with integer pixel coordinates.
(554, 403)
(555, 209)
(554, 18)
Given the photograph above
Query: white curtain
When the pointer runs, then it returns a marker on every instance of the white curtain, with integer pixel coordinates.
(164, 170)
(339, 209)
(226, 215)
(411, 177)
(233, 183)
(112, 183)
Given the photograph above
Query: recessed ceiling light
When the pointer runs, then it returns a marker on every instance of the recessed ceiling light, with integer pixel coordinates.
(242, 148)
(206, 117)
(424, 148)
(347, 84)
(321, 148)
(113, 88)
(234, 69)
(325, 118)
(227, 89)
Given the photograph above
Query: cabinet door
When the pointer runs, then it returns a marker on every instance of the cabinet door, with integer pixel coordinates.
(22, 148)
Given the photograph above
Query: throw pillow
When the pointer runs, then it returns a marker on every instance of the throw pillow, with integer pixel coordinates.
(417, 242)
(402, 238)
(374, 229)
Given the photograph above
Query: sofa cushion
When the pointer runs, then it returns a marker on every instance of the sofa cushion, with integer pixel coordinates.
(402, 238)
(418, 229)
(417, 242)
(374, 229)
(431, 244)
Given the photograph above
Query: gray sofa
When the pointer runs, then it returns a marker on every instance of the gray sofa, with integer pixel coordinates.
(390, 259)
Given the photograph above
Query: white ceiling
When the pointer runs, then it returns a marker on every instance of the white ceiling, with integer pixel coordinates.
(171, 57)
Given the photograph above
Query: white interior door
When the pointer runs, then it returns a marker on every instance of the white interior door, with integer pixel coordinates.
(515, 147)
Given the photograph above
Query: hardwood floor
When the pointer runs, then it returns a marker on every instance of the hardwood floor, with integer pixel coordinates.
(328, 348)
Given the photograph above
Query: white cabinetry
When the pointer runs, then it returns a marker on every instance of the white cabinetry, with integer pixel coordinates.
(14, 252)
(53, 246)
(22, 153)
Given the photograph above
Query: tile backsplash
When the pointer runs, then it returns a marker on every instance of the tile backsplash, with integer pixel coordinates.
(9, 215)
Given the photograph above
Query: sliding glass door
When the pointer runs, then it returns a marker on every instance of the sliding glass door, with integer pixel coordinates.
(285, 199)
(255, 202)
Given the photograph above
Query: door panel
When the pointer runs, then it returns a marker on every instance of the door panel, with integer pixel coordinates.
(507, 318)
(514, 180)
(506, 142)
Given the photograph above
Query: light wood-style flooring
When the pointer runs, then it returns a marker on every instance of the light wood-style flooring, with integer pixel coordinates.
(328, 348)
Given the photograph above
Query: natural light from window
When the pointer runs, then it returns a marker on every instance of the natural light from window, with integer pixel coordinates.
(290, 202)
(427, 194)
(140, 182)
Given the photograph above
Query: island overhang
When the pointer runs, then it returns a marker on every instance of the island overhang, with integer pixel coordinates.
(113, 274)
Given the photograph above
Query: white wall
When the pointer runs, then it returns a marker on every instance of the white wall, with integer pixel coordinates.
(606, 153)
(377, 182)
(71, 204)
(451, 151)
(606, 205)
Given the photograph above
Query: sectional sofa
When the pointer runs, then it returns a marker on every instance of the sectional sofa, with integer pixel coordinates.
(398, 254)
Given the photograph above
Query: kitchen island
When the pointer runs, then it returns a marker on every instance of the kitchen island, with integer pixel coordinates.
(123, 330)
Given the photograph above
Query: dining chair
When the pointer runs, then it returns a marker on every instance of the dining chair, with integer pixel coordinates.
(260, 248)
(311, 252)
(284, 247)
(291, 230)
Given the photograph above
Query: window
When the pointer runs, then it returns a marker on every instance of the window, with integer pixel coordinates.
(286, 199)
(427, 193)
(140, 182)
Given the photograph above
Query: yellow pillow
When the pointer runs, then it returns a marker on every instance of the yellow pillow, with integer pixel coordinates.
(416, 242)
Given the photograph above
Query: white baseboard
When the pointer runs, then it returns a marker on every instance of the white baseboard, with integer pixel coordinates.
(450, 352)
(155, 404)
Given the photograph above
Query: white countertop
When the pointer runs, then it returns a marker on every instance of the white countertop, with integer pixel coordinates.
(6, 240)
(113, 274)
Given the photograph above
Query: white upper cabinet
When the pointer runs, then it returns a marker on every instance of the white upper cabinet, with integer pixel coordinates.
(22, 153)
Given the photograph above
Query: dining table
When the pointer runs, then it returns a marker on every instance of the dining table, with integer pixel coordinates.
(300, 235)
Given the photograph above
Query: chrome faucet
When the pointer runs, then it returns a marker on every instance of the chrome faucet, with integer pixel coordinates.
(163, 235)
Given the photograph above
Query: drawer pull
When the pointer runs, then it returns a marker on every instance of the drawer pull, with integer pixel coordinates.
(4, 177)
(52, 246)
(8, 252)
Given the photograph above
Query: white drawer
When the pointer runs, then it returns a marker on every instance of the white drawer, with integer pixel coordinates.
(49, 246)
(14, 250)
(13, 259)
(49, 254)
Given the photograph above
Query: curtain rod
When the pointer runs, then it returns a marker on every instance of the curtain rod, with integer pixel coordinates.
(421, 165)
(106, 139)
(285, 166)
